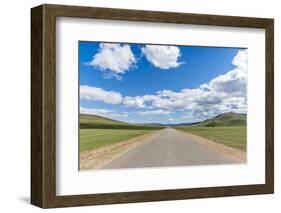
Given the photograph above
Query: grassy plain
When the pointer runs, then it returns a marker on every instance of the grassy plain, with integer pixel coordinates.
(228, 128)
(96, 131)
(96, 138)
(231, 136)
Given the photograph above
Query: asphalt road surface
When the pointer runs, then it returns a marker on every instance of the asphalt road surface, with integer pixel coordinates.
(169, 147)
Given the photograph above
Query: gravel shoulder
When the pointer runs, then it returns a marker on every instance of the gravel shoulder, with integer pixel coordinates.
(98, 158)
(235, 154)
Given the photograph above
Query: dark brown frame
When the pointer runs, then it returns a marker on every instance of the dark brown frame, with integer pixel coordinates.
(43, 105)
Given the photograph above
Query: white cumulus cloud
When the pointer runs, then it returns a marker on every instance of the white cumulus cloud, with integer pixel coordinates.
(155, 112)
(99, 94)
(137, 101)
(113, 59)
(164, 57)
(241, 59)
(235, 81)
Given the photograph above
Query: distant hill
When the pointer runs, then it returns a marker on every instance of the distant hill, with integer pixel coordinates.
(89, 119)
(98, 122)
(154, 124)
(226, 119)
(182, 124)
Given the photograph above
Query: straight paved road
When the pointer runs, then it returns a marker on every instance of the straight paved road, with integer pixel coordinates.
(169, 147)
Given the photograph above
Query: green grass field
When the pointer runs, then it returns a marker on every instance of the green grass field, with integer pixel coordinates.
(228, 128)
(230, 136)
(97, 132)
(96, 138)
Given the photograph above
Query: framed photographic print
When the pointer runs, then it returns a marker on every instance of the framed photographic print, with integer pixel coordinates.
(136, 106)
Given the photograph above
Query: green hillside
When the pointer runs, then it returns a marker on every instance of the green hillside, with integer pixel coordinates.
(98, 122)
(225, 120)
(93, 120)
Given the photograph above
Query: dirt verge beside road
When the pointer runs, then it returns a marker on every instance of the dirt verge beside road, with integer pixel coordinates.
(235, 154)
(97, 158)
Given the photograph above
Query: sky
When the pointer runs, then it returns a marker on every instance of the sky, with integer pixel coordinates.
(143, 83)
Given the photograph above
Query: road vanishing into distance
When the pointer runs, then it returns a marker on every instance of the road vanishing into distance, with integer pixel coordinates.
(169, 147)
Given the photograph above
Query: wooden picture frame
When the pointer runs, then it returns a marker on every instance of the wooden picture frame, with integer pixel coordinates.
(43, 105)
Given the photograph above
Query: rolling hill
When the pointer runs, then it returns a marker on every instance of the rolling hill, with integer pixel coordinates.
(224, 120)
(98, 122)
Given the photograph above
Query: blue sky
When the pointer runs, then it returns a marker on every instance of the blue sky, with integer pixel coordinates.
(156, 83)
